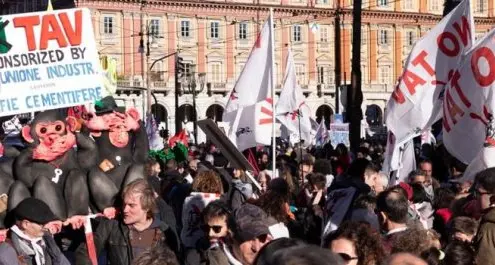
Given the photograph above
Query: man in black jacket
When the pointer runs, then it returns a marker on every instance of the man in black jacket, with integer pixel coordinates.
(136, 231)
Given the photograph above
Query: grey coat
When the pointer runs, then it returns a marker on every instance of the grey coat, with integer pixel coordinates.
(9, 255)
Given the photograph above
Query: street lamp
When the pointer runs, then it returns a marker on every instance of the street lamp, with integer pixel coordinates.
(191, 85)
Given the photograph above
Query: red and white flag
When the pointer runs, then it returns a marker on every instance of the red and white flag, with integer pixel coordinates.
(469, 102)
(251, 126)
(416, 102)
(291, 109)
(255, 81)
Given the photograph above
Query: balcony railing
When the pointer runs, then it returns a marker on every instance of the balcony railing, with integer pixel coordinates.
(159, 85)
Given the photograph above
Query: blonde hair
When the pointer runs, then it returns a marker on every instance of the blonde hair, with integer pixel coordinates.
(147, 198)
(207, 182)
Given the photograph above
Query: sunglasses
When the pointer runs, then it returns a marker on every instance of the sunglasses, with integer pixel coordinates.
(346, 257)
(262, 238)
(216, 228)
(478, 194)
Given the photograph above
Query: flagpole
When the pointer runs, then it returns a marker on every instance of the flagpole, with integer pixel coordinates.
(272, 42)
(300, 136)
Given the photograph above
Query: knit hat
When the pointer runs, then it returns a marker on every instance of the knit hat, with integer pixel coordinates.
(250, 222)
(34, 210)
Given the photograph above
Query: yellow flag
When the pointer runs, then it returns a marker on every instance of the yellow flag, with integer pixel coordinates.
(50, 7)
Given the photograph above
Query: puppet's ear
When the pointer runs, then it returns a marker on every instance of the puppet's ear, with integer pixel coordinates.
(26, 134)
(72, 124)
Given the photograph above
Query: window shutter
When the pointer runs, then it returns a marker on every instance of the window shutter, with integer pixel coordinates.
(178, 26)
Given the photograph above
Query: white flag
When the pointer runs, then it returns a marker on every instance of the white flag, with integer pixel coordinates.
(391, 156)
(291, 109)
(407, 162)
(255, 81)
(469, 102)
(251, 126)
(416, 102)
(485, 159)
(322, 134)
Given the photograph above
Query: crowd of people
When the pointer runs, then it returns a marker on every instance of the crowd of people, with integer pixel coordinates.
(321, 206)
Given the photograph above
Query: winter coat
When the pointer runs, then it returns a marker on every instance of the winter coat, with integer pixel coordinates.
(239, 193)
(191, 217)
(166, 214)
(214, 256)
(113, 236)
(485, 239)
(12, 254)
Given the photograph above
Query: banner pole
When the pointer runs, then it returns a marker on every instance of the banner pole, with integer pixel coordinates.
(272, 44)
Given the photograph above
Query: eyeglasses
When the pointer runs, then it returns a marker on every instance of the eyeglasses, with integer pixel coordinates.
(346, 257)
(216, 228)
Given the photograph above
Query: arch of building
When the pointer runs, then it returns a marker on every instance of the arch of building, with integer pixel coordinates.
(215, 112)
(324, 111)
(374, 115)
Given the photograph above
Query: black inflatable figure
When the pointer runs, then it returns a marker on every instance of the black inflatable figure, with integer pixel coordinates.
(122, 151)
(7, 156)
(51, 169)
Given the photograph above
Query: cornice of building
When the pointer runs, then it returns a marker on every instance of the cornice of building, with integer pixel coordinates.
(367, 14)
(298, 10)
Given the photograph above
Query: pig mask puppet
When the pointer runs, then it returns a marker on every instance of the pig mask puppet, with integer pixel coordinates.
(117, 124)
(50, 135)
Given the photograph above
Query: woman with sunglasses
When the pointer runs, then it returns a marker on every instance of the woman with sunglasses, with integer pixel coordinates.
(357, 244)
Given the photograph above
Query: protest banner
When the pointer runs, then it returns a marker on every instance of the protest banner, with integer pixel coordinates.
(469, 101)
(416, 102)
(339, 134)
(48, 60)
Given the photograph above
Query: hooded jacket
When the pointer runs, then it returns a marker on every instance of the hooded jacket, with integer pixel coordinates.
(239, 194)
(485, 239)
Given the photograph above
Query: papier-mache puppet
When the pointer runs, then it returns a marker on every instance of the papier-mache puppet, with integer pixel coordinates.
(52, 169)
(122, 151)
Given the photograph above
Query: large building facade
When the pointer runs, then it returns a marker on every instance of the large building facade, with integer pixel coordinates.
(215, 37)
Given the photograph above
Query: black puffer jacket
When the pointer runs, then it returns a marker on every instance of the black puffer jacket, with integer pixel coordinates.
(113, 236)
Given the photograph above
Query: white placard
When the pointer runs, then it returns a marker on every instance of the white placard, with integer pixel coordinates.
(48, 60)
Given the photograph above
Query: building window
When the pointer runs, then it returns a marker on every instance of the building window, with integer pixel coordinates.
(323, 34)
(408, 4)
(383, 37)
(108, 25)
(434, 5)
(185, 28)
(364, 36)
(243, 28)
(240, 67)
(382, 3)
(214, 29)
(384, 72)
(411, 38)
(155, 27)
(300, 73)
(479, 35)
(296, 33)
(480, 6)
(323, 74)
(215, 72)
(188, 68)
